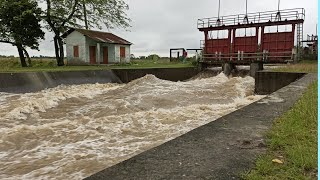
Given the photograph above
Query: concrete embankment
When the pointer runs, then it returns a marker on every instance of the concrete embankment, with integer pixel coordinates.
(269, 82)
(171, 74)
(35, 81)
(221, 149)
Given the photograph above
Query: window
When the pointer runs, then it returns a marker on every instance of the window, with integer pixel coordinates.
(122, 52)
(76, 51)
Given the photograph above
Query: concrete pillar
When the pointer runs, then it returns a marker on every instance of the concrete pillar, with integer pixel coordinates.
(98, 53)
(254, 67)
(227, 68)
(202, 66)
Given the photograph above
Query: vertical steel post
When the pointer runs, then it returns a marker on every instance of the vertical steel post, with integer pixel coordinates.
(292, 43)
(229, 40)
(293, 33)
(257, 40)
(246, 7)
(205, 42)
(219, 10)
(262, 39)
(234, 40)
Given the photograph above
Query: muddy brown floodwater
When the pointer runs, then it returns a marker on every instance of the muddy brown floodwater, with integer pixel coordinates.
(71, 132)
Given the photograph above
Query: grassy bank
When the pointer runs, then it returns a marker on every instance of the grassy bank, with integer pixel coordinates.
(293, 137)
(47, 64)
(292, 140)
(303, 66)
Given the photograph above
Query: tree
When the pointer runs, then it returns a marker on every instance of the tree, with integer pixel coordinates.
(20, 26)
(110, 13)
(61, 14)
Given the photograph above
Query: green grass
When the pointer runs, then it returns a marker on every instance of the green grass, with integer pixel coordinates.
(46, 64)
(304, 66)
(292, 139)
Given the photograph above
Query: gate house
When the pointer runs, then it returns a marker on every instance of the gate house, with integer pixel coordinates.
(95, 47)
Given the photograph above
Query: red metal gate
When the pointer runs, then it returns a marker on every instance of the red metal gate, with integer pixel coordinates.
(218, 46)
(278, 45)
(247, 44)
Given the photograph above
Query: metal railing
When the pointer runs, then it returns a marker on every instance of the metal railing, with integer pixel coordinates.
(259, 17)
(245, 57)
(312, 38)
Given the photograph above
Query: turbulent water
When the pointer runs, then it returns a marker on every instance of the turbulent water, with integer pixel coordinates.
(71, 132)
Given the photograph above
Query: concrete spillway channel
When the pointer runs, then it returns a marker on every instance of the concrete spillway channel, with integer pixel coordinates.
(180, 129)
(223, 148)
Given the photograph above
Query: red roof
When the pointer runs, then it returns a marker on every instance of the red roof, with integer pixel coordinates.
(99, 36)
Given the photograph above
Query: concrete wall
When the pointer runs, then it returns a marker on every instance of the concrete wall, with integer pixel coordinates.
(269, 82)
(171, 74)
(117, 54)
(266, 82)
(111, 53)
(76, 39)
(31, 82)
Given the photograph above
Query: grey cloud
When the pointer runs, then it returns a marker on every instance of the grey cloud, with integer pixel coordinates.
(158, 26)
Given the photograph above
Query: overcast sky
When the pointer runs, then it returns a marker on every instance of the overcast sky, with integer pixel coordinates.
(158, 25)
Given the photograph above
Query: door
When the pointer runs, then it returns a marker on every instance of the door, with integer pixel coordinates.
(122, 52)
(105, 55)
(75, 51)
(92, 54)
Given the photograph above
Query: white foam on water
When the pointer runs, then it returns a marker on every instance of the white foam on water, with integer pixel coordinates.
(71, 132)
(31, 103)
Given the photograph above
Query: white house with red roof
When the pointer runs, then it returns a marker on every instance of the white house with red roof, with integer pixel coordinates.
(95, 47)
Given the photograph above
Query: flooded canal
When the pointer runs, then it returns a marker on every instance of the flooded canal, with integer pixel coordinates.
(71, 132)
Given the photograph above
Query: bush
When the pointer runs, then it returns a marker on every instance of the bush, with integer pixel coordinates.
(153, 57)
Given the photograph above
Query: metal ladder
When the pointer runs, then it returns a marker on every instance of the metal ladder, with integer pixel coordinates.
(299, 40)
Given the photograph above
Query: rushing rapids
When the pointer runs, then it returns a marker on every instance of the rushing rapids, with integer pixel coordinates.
(71, 132)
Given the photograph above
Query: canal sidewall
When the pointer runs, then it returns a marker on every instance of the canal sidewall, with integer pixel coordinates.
(36, 81)
(265, 82)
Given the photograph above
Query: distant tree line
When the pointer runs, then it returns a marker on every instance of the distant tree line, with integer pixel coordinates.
(22, 21)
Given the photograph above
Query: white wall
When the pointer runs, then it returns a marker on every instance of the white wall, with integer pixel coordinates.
(76, 39)
(111, 53)
(117, 53)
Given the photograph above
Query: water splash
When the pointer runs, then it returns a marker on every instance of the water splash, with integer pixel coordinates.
(75, 131)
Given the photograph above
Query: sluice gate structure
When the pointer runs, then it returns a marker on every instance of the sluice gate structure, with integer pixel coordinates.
(260, 48)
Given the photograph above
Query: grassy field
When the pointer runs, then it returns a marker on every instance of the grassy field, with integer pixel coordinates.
(13, 65)
(293, 138)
